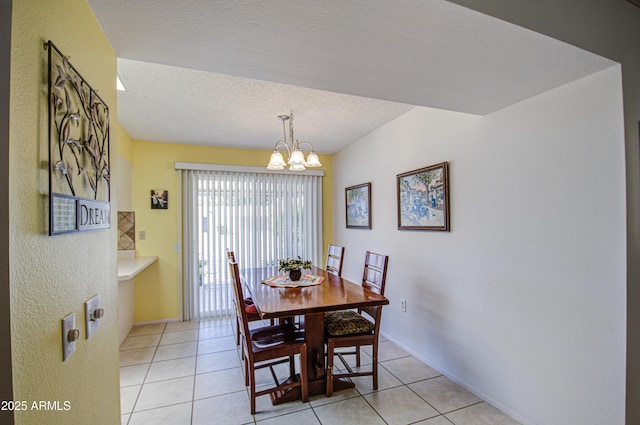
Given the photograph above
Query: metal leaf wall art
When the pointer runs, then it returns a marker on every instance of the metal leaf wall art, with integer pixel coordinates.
(78, 150)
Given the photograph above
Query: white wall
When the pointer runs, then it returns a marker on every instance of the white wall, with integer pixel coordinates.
(524, 301)
(610, 29)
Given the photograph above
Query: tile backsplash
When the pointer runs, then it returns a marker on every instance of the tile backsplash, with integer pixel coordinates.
(126, 230)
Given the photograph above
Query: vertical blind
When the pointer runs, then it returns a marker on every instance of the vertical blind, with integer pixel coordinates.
(262, 217)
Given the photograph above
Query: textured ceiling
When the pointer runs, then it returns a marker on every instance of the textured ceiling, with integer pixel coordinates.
(182, 105)
(413, 52)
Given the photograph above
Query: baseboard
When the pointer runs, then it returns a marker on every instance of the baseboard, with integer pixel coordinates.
(157, 322)
(495, 403)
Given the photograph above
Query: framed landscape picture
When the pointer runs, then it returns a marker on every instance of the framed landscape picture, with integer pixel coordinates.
(358, 206)
(423, 199)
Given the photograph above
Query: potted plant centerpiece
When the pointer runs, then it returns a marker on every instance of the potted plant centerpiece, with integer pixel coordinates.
(294, 267)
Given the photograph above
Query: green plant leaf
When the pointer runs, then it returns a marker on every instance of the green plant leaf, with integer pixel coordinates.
(294, 264)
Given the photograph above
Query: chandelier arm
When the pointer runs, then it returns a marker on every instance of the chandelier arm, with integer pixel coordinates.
(305, 143)
(280, 143)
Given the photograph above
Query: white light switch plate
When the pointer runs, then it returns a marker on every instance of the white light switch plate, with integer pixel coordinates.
(68, 347)
(92, 322)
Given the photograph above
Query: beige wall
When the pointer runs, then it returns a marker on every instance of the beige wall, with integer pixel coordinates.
(52, 276)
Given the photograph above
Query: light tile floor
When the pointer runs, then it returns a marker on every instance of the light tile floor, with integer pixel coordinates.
(190, 373)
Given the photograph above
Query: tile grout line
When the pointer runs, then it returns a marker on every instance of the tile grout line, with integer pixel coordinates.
(443, 414)
(145, 377)
(373, 408)
(195, 369)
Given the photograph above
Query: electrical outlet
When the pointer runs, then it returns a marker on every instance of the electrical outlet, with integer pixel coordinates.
(176, 247)
(142, 235)
(403, 305)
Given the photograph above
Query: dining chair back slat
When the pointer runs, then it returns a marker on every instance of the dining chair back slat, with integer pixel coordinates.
(374, 277)
(335, 257)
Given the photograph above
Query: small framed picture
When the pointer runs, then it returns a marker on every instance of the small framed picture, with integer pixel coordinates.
(423, 199)
(358, 206)
(159, 199)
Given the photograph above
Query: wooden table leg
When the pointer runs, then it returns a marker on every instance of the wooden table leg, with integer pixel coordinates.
(314, 335)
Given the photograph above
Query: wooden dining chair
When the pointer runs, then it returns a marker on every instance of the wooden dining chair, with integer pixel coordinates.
(269, 346)
(335, 256)
(252, 314)
(352, 329)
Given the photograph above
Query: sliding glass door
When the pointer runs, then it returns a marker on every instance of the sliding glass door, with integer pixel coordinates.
(261, 217)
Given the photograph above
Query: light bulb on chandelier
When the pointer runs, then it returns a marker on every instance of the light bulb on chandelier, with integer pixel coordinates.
(296, 160)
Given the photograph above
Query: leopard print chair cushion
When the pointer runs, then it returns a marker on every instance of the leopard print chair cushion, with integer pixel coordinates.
(337, 323)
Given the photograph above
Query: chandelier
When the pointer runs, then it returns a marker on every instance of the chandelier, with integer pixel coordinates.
(296, 160)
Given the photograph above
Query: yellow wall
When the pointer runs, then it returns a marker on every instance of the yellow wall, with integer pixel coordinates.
(124, 143)
(51, 277)
(158, 288)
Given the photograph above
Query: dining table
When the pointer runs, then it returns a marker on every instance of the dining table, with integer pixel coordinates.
(309, 302)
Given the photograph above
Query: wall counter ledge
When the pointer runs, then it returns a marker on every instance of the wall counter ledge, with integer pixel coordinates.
(129, 265)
